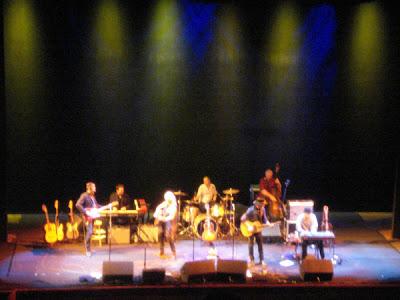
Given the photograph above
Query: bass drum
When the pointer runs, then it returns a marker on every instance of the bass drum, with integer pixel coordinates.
(199, 224)
(224, 227)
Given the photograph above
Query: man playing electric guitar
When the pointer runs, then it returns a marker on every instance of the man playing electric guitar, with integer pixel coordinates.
(85, 203)
(253, 214)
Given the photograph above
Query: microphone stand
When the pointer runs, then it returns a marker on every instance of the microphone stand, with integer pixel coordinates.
(109, 234)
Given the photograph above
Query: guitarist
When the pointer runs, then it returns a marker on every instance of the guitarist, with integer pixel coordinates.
(86, 201)
(256, 212)
(165, 217)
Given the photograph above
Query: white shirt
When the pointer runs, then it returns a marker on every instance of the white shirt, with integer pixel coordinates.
(302, 227)
(207, 194)
(165, 212)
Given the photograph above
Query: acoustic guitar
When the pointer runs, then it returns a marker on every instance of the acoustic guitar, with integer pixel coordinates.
(59, 227)
(325, 225)
(49, 228)
(72, 226)
(248, 228)
(209, 231)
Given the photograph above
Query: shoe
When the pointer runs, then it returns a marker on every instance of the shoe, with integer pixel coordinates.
(88, 253)
(263, 264)
(174, 255)
(162, 255)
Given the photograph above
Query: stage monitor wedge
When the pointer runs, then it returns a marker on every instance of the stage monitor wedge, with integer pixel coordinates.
(227, 271)
(316, 269)
(118, 272)
(198, 271)
(153, 276)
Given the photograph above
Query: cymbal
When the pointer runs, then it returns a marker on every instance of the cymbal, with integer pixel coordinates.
(231, 191)
(180, 193)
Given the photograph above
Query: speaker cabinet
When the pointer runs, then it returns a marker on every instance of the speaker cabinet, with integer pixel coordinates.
(198, 271)
(316, 270)
(153, 276)
(120, 234)
(231, 271)
(117, 272)
(214, 271)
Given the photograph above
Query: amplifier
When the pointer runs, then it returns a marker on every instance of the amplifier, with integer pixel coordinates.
(296, 207)
(120, 234)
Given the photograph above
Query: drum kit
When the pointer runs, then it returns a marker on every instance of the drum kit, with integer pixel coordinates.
(221, 214)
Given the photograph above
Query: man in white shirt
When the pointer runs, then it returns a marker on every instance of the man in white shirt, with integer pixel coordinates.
(165, 217)
(307, 223)
(207, 193)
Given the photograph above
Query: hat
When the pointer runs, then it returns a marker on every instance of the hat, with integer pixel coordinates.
(307, 210)
(258, 201)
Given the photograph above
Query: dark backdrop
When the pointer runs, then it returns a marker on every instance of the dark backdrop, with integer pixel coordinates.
(158, 95)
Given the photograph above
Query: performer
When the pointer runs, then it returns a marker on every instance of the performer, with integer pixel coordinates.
(269, 186)
(256, 212)
(86, 201)
(123, 202)
(165, 217)
(207, 195)
(307, 223)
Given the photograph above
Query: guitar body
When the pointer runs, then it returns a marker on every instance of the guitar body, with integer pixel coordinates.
(248, 228)
(209, 233)
(50, 233)
(72, 231)
(60, 232)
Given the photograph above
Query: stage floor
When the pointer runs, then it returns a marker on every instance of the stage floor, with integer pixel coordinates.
(367, 257)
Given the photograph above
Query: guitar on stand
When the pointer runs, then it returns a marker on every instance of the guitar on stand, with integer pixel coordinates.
(49, 228)
(72, 226)
(59, 227)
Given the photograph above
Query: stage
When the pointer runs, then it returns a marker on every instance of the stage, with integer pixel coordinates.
(366, 258)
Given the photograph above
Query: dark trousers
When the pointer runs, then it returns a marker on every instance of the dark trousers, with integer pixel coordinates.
(305, 244)
(258, 238)
(165, 234)
(88, 234)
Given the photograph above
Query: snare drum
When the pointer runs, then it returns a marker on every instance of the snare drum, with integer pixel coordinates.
(217, 211)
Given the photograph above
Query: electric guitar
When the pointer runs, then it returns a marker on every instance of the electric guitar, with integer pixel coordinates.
(59, 227)
(49, 228)
(248, 228)
(94, 212)
(72, 226)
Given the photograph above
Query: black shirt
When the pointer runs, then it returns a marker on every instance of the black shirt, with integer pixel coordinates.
(253, 214)
(123, 201)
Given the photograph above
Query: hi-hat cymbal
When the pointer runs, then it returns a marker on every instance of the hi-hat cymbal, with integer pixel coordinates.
(231, 191)
(180, 193)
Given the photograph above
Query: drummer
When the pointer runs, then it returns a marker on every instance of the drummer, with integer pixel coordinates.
(206, 194)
